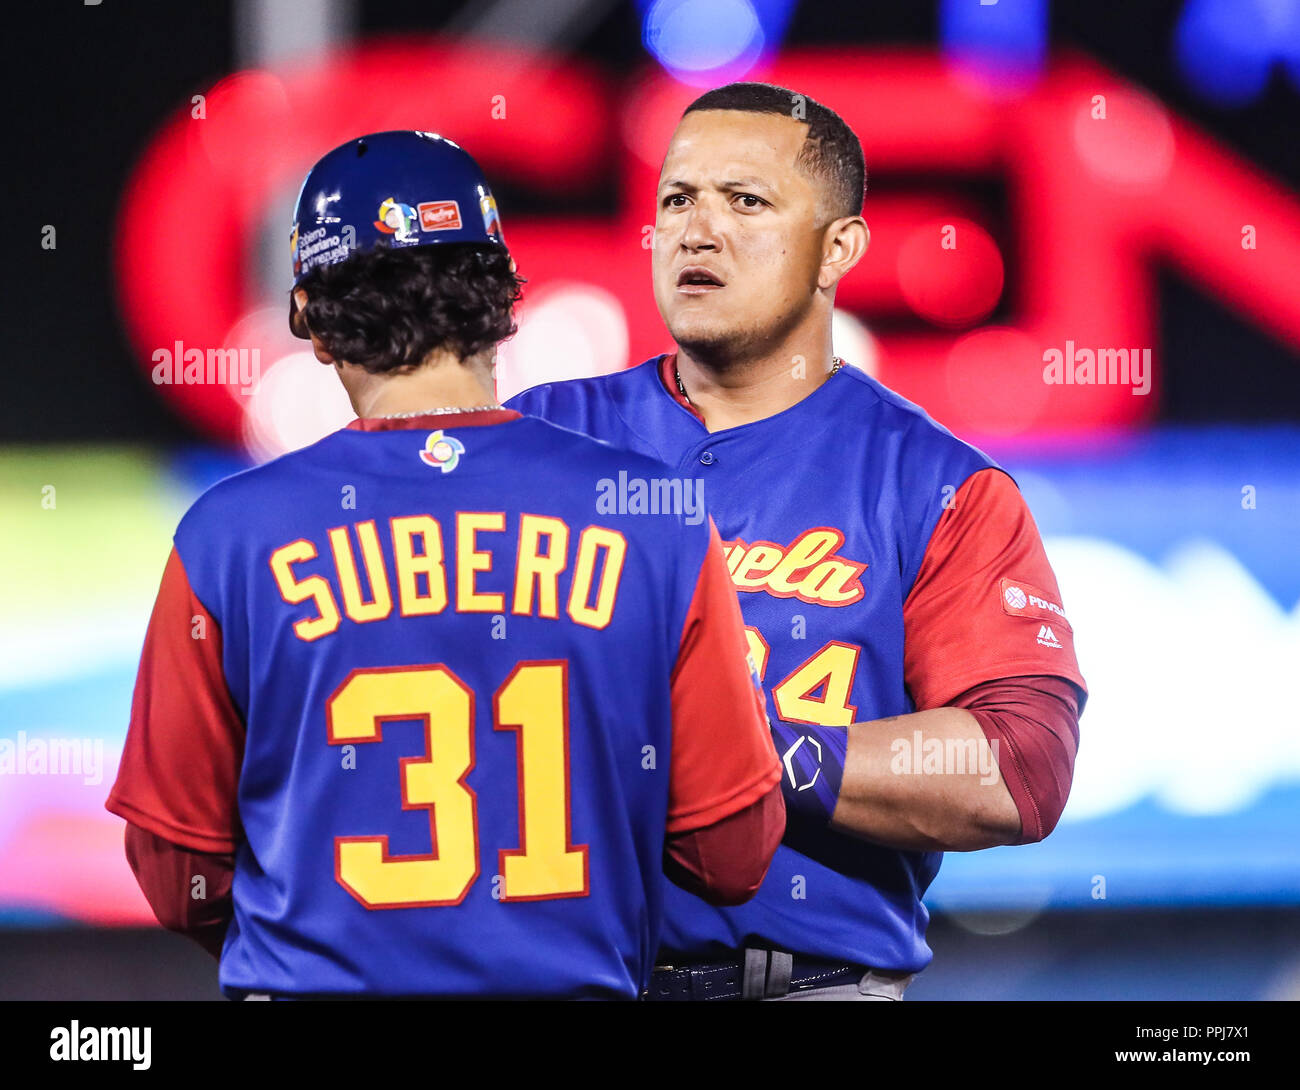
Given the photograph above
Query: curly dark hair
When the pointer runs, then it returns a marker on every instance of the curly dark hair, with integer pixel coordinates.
(386, 308)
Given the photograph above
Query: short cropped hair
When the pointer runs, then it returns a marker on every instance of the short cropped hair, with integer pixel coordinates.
(831, 152)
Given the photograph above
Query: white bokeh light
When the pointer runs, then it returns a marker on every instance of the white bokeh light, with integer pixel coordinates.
(1189, 665)
(852, 341)
(568, 330)
(297, 402)
(1132, 146)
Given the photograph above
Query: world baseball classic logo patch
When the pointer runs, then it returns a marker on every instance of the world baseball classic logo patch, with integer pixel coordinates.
(1021, 599)
(442, 451)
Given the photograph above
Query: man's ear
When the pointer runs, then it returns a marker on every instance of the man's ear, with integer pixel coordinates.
(298, 314)
(298, 326)
(846, 243)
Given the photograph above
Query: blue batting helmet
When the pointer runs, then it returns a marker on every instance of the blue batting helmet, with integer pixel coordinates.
(403, 188)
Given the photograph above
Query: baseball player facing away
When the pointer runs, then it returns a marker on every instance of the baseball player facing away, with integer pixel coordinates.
(443, 723)
(919, 667)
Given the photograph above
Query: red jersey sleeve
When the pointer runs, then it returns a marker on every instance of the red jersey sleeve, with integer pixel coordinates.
(180, 765)
(723, 759)
(985, 604)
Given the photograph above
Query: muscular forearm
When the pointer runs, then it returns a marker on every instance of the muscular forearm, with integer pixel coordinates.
(925, 782)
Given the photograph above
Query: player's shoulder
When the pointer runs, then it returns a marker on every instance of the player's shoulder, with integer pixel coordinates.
(235, 501)
(565, 445)
(551, 399)
(611, 386)
(906, 426)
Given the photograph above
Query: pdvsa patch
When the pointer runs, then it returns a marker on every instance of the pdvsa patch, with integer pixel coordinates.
(440, 216)
(442, 451)
(1021, 599)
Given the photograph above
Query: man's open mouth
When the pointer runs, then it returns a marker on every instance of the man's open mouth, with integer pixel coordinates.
(695, 280)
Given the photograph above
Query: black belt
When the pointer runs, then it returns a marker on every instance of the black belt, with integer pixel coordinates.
(757, 974)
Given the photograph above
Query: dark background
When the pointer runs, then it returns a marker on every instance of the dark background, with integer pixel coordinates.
(89, 85)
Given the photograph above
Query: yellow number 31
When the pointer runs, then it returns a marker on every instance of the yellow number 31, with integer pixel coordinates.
(533, 701)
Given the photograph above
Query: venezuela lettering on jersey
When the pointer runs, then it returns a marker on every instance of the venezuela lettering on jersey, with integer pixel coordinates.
(807, 569)
(419, 584)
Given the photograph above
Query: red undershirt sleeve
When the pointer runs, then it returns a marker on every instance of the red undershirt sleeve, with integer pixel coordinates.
(188, 891)
(1032, 724)
(709, 862)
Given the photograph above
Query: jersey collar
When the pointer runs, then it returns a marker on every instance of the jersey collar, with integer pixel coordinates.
(668, 376)
(433, 420)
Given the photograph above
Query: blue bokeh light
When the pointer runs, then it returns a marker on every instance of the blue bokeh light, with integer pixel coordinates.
(1226, 49)
(709, 41)
(1005, 40)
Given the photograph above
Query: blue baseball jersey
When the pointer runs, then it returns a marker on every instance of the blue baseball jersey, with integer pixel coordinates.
(826, 510)
(421, 680)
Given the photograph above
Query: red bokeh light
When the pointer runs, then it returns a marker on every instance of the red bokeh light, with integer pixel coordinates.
(1089, 226)
(950, 272)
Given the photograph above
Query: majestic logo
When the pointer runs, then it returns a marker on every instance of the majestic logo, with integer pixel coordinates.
(807, 569)
(442, 451)
(397, 219)
(440, 216)
(1047, 637)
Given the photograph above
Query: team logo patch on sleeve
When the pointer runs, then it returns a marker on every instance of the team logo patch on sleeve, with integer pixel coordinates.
(1021, 599)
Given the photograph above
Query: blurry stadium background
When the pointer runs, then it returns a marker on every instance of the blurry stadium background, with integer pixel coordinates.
(1110, 178)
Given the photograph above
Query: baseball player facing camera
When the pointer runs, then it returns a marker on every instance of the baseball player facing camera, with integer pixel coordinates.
(917, 660)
